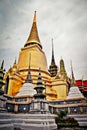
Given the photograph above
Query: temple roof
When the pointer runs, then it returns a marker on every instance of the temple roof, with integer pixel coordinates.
(33, 37)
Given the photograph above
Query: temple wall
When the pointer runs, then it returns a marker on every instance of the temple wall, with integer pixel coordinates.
(61, 88)
(38, 58)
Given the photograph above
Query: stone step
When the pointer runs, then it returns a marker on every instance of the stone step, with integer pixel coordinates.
(26, 116)
(82, 119)
(6, 127)
(5, 121)
(27, 121)
(82, 123)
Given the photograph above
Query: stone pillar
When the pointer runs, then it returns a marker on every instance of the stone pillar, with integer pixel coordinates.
(16, 108)
(81, 110)
(68, 110)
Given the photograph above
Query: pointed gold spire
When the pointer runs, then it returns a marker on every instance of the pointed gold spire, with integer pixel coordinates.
(15, 61)
(34, 21)
(15, 65)
(33, 37)
(62, 69)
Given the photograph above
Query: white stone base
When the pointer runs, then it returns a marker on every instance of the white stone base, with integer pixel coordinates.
(27, 121)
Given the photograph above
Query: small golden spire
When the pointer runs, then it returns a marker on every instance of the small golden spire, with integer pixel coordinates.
(15, 61)
(15, 65)
(34, 17)
(62, 69)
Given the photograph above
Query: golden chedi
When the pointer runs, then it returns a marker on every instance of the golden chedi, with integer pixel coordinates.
(17, 73)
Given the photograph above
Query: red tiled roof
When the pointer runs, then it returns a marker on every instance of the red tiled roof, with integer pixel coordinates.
(82, 84)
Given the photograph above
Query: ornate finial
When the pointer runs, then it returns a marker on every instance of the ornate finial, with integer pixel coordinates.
(53, 60)
(39, 70)
(15, 65)
(52, 49)
(15, 61)
(2, 65)
(29, 59)
(52, 46)
(39, 76)
(72, 76)
(34, 17)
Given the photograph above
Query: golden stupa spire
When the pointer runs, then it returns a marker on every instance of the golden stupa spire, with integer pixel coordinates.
(62, 69)
(15, 65)
(33, 37)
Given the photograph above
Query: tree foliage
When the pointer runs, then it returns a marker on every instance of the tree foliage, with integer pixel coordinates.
(63, 120)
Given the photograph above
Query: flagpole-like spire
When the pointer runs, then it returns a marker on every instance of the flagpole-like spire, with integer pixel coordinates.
(29, 60)
(82, 84)
(72, 76)
(29, 77)
(53, 60)
(2, 65)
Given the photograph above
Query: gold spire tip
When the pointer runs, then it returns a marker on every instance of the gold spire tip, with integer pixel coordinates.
(15, 61)
(34, 17)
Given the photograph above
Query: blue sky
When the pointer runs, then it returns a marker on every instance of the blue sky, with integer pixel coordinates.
(63, 20)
